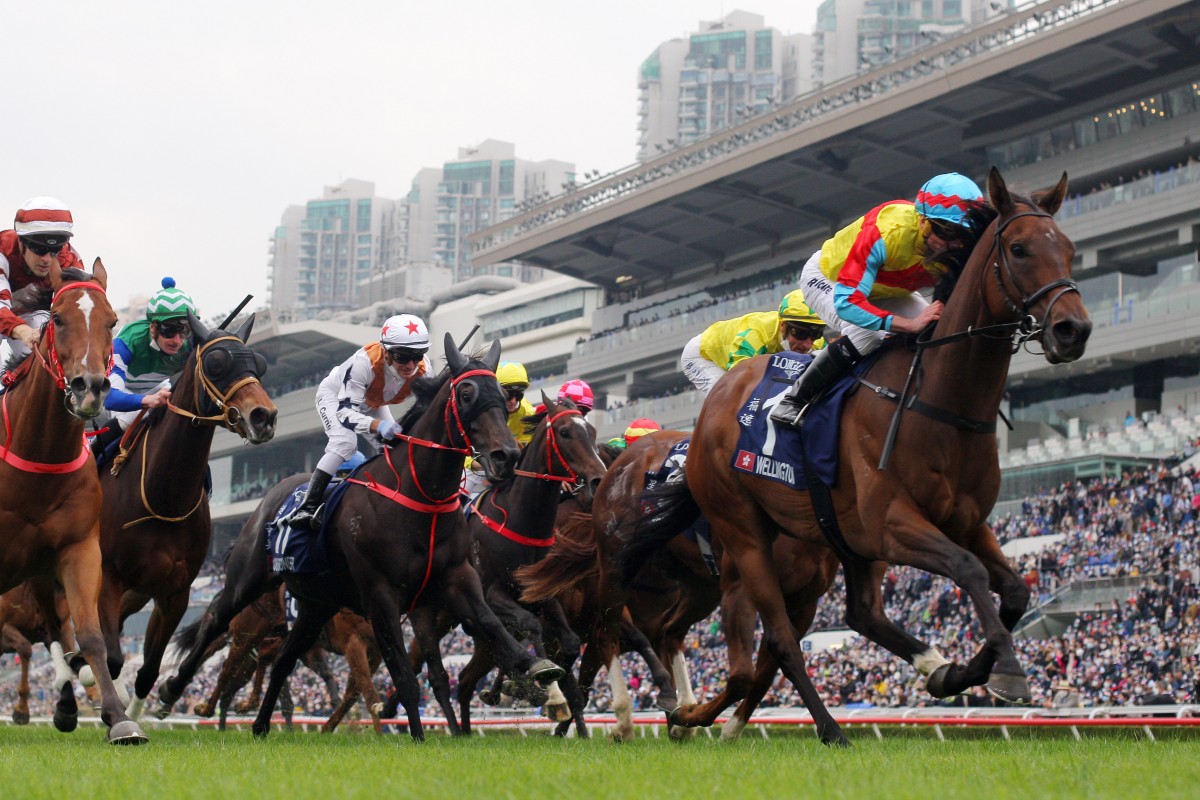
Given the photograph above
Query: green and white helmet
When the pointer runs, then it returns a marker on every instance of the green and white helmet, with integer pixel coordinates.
(169, 302)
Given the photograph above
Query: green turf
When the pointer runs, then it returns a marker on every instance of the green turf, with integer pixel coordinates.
(39, 762)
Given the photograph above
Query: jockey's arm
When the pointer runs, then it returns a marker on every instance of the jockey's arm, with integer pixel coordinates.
(119, 398)
(353, 411)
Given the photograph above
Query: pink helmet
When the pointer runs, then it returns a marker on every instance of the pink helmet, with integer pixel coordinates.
(578, 393)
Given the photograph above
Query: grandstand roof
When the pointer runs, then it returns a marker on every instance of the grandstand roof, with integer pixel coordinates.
(791, 177)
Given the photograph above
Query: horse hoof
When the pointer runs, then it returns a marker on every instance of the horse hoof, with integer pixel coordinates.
(1009, 688)
(621, 735)
(667, 702)
(558, 712)
(86, 676)
(260, 731)
(838, 740)
(935, 684)
(20, 717)
(203, 710)
(489, 697)
(545, 671)
(126, 732)
(680, 734)
(65, 722)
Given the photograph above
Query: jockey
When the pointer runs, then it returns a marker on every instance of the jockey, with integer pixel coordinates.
(355, 396)
(514, 381)
(41, 233)
(727, 343)
(639, 428)
(578, 393)
(146, 353)
(864, 281)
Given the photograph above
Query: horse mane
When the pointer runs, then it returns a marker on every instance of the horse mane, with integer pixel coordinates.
(571, 560)
(978, 217)
(424, 389)
(609, 453)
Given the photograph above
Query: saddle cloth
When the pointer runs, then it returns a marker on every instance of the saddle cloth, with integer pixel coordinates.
(773, 451)
(671, 471)
(300, 549)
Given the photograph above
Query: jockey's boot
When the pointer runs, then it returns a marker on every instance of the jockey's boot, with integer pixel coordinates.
(106, 436)
(827, 366)
(308, 515)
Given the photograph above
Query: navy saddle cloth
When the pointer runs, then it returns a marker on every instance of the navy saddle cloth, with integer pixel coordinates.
(773, 451)
(672, 466)
(300, 549)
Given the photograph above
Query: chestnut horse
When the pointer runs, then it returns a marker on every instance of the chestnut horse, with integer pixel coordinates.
(49, 490)
(155, 529)
(928, 506)
(397, 540)
(21, 625)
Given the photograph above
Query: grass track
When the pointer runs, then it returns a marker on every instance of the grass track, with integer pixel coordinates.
(39, 762)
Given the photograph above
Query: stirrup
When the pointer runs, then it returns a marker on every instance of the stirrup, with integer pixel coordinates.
(311, 520)
(789, 413)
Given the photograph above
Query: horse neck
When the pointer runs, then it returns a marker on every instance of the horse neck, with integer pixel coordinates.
(33, 407)
(531, 502)
(176, 453)
(968, 376)
(431, 472)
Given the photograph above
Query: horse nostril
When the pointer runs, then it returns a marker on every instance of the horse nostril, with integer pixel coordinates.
(1070, 332)
(261, 418)
(78, 385)
(499, 457)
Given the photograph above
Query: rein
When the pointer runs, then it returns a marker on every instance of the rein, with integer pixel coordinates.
(51, 363)
(552, 451)
(434, 507)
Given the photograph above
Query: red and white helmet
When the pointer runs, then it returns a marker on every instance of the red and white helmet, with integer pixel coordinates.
(46, 219)
(405, 330)
(578, 393)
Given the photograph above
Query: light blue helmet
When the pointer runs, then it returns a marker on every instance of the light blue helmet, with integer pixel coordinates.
(947, 197)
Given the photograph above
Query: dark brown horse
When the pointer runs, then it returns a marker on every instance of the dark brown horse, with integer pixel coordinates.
(155, 530)
(397, 540)
(49, 489)
(254, 639)
(513, 525)
(928, 508)
(21, 625)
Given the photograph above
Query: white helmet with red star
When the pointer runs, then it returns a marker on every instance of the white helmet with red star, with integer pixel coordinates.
(405, 330)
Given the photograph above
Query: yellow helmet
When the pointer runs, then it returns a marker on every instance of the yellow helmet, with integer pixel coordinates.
(793, 308)
(511, 373)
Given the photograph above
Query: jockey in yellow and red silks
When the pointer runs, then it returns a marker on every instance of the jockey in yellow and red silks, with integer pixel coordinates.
(864, 281)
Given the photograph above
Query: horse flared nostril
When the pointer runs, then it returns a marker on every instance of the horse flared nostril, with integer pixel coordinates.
(262, 419)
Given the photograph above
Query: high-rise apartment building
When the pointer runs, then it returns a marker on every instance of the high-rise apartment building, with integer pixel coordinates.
(856, 35)
(729, 69)
(484, 185)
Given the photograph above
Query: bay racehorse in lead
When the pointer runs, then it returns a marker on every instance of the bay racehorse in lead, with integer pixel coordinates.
(49, 490)
(928, 506)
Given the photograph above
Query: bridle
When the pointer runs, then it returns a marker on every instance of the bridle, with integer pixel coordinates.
(204, 389)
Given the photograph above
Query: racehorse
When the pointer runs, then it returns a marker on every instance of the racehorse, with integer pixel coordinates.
(155, 529)
(49, 490)
(21, 624)
(254, 638)
(416, 552)
(513, 525)
(928, 506)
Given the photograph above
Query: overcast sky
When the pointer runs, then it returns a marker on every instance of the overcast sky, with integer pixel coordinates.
(179, 132)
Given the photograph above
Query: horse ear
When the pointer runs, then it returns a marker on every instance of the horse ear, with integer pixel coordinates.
(1052, 200)
(998, 193)
(493, 356)
(55, 275)
(546, 399)
(198, 329)
(243, 332)
(454, 357)
(99, 273)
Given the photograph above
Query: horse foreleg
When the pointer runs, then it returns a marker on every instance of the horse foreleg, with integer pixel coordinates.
(109, 611)
(1003, 579)
(13, 641)
(918, 545)
(631, 637)
(79, 573)
(168, 611)
(567, 646)
(304, 634)
(384, 613)
(427, 633)
(766, 667)
(468, 681)
(622, 702)
(316, 661)
(738, 620)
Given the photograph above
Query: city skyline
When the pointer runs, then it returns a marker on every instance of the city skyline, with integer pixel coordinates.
(180, 133)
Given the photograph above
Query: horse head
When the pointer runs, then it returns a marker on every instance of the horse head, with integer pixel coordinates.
(227, 381)
(570, 448)
(477, 403)
(1032, 269)
(78, 339)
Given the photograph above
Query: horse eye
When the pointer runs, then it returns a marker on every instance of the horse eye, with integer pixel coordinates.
(1019, 251)
(57, 319)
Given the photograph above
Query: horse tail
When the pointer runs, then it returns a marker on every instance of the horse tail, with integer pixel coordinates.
(570, 561)
(669, 510)
(187, 636)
